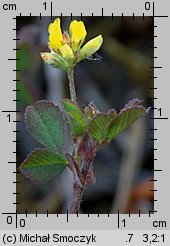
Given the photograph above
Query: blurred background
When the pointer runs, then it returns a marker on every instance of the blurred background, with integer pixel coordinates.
(119, 72)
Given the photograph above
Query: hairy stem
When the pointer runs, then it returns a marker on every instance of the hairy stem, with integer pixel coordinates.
(71, 85)
(81, 180)
(77, 195)
(82, 171)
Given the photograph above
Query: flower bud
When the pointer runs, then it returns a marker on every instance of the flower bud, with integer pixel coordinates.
(90, 47)
(54, 60)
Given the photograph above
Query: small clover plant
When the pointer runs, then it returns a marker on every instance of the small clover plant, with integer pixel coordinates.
(90, 128)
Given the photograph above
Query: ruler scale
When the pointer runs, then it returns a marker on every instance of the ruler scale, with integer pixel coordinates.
(34, 228)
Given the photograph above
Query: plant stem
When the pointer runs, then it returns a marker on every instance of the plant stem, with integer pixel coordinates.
(83, 171)
(71, 85)
(77, 195)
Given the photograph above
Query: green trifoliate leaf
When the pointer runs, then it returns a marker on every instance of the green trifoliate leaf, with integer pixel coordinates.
(45, 123)
(43, 165)
(127, 116)
(99, 125)
(75, 117)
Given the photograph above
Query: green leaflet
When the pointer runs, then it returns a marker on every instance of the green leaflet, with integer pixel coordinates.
(75, 117)
(127, 116)
(105, 126)
(99, 125)
(43, 165)
(45, 123)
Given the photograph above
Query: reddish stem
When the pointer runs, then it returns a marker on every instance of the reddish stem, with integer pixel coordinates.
(77, 195)
(82, 173)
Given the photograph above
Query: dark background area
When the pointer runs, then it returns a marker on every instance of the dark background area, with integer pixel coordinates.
(119, 72)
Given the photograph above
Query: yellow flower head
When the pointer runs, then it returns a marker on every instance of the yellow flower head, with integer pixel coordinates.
(66, 48)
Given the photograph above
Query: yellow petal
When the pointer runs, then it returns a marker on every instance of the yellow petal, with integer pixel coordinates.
(66, 52)
(90, 47)
(55, 36)
(55, 27)
(78, 33)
